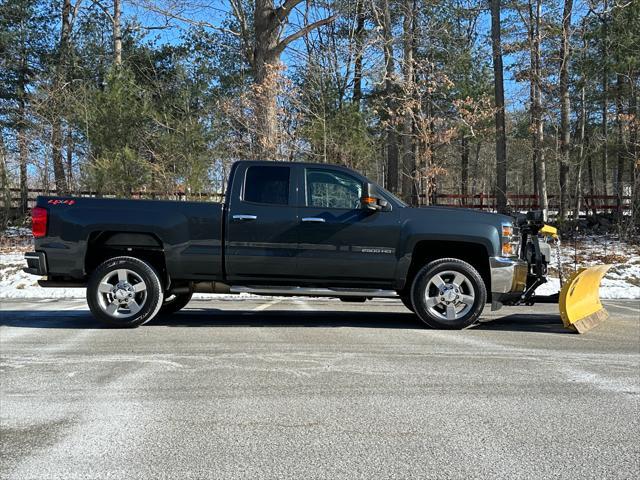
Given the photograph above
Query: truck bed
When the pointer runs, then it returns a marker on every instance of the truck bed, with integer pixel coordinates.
(189, 234)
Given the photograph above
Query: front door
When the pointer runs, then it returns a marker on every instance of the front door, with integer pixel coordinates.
(261, 240)
(340, 241)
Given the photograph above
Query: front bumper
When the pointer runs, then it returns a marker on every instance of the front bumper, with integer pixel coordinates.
(36, 263)
(508, 279)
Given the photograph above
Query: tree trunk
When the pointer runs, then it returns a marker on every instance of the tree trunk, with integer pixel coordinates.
(620, 148)
(69, 143)
(117, 34)
(565, 109)
(464, 168)
(605, 98)
(21, 129)
(408, 160)
(531, 34)
(476, 168)
(359, 40)
(58, 165)
(266, 76)
(23, 154)
(592, 184)
(534, 172)
(60, 78)
(501, 133)
(390, 130)
(542, 171)
(583, 122)
(633, 140)
(4, 186)
(428, 150)
(538, 122)
(266, 64)
(65, 35)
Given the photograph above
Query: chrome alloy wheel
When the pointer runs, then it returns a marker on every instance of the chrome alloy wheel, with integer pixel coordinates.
(121, 293)
(449, 295)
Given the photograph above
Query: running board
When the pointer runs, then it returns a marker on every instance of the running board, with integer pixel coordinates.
(316, 292)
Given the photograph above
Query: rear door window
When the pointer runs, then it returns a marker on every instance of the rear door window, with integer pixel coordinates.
(266, 184)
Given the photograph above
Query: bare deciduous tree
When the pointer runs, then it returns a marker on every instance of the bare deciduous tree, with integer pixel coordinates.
(565, 108)
(501, 134)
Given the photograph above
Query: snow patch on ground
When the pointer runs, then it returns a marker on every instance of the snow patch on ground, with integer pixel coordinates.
(12, 232)
(622, 280)
(14, 283)
(610, 289)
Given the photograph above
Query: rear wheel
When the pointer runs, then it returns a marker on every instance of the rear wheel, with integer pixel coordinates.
(124, 291)
(448, 293)
(174, 303)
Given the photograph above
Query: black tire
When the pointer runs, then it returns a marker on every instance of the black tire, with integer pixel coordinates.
(147, 296)
(175, 303)
(456, 286)
(406, 301)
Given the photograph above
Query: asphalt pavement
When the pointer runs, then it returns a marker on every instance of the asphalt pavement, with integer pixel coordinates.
(306, 389)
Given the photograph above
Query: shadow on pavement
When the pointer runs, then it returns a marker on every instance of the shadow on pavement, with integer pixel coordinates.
(210, 317)
(290, 318)
(519, 322)
(50, 319)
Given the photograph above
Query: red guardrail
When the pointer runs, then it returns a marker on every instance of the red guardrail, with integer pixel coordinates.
(530, 201)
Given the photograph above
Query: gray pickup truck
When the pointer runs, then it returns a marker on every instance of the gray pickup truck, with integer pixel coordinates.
(284, 229)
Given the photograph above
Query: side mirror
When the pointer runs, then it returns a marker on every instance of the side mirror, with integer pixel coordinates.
(372, 201)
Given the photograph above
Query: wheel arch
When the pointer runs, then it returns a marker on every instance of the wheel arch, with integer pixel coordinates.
(425, 251)
(102, 245)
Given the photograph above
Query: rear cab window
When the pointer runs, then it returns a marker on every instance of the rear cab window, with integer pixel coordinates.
(267, 185)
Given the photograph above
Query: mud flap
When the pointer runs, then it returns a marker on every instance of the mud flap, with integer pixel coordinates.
(580, 306)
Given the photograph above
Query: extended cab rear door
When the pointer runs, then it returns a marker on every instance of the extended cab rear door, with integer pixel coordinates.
(261, 240)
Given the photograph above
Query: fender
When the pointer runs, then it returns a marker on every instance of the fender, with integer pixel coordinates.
(442, 225)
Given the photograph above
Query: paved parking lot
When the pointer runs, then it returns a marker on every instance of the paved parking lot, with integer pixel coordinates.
(295, 388)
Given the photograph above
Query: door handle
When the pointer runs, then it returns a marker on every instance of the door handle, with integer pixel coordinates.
(313, 219)
(245, 217)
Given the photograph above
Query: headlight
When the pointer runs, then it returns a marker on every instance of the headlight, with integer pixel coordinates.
(510, 240)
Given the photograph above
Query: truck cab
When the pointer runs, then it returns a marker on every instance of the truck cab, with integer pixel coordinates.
(307, 223)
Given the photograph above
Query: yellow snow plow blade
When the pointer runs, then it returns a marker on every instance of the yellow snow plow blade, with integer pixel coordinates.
(580, 306)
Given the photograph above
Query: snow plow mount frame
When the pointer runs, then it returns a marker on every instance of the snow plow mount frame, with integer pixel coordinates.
(531, 225)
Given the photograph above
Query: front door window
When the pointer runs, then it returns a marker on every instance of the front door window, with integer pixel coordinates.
(332, 189)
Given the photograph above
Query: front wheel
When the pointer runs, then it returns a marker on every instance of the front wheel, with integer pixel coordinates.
(124, 291)
(448, 293)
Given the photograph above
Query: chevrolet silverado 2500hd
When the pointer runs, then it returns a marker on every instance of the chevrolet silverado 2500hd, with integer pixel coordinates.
(284, 229)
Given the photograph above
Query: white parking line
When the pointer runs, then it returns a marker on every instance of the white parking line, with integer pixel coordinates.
(264, 306)
(79, 306)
